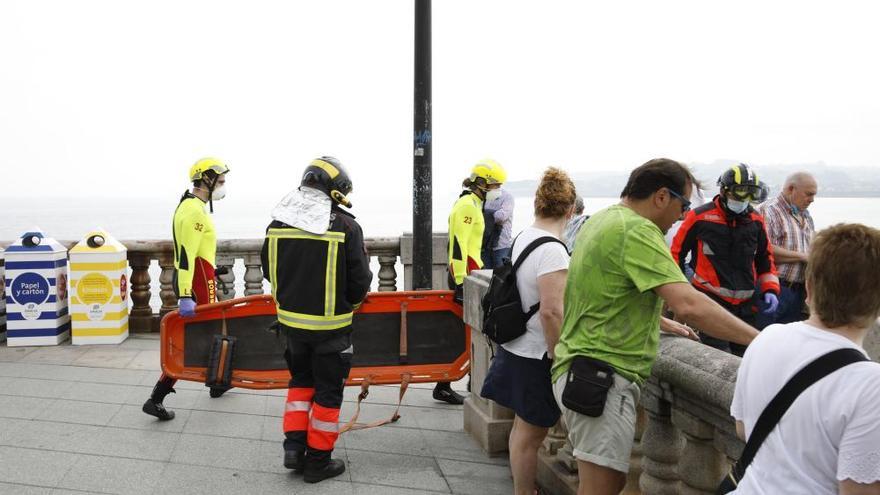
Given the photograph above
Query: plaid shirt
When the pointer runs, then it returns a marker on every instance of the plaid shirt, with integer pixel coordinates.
(788, 231)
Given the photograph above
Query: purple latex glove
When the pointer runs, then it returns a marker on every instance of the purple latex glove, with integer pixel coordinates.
(772, 303)
(187, 307)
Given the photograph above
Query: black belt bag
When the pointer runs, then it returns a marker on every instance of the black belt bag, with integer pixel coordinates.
(587, 385)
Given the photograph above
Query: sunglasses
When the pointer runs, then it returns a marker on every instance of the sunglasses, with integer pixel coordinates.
(685, 204)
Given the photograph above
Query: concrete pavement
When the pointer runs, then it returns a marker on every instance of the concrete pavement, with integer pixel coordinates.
(70, 423)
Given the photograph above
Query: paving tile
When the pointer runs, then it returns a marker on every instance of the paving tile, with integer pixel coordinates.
(225, 424)
(60, 354)
(64, 491)
(231, 453)
(272, 430)
(110, 375)
(449, 418)
(98, 392)
(196, 480)
(14, 354)
(130, 416)
(105, 357)
(113, 475)
(458, 445)
(64, 437)
(146, 360)
(34, 467)
(395, 470)
(12, 406)
(29, 387)
(71, 411)
(232, 403)
(17, 489)
(403, 441)
(365, 489)
(474, 478)
(134, 444)
(36, 370)
(140, 343)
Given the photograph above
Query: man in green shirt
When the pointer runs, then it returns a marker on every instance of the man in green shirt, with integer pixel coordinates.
(621, 272)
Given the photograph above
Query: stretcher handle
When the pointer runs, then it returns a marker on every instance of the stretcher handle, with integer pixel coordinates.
(404, 338)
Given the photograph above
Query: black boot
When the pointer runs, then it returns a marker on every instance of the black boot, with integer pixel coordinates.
(218, 391)
(320, 467)
(296, 460)
(153, 406)
(444, 393)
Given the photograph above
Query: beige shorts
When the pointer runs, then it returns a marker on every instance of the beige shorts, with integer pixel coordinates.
(607, 440)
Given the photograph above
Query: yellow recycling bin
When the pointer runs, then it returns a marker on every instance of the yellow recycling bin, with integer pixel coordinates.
(98, 290)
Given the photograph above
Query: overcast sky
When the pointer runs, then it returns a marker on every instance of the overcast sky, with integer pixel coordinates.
(118, 97)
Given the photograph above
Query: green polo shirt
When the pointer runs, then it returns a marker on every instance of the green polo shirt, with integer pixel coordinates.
(611, 312)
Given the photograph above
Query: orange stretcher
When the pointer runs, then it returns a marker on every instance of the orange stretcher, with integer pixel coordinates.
(398, 338)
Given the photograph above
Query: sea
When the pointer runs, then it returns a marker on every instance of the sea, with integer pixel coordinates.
(247, 218)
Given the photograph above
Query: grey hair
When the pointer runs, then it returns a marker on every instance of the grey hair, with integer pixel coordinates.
(578, 205)
(797, 179)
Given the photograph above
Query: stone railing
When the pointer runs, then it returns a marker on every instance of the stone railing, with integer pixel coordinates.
(143, 317)
(685, 437)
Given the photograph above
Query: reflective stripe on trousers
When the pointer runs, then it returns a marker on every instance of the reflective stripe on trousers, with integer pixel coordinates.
(296, 409)
(323, 427)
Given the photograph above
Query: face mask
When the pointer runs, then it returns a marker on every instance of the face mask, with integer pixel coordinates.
(737, 206)
(493, 194)
(219, 193)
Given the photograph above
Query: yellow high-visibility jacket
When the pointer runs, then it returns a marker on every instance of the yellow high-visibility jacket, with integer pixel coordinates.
(465, 236)
(195, 244)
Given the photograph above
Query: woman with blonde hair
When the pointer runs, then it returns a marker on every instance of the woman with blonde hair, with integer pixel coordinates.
(519, 377)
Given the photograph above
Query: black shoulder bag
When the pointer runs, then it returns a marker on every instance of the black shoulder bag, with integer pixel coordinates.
(503, 317)
(802, 380)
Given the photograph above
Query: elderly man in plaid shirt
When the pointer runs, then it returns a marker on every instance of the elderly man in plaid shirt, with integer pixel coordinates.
(790, 228)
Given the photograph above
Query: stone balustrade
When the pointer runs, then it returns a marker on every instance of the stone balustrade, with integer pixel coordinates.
(685, 438)
(143, 317)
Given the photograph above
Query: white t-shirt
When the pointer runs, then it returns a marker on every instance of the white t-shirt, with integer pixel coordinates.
(832, 430)
(546, 258)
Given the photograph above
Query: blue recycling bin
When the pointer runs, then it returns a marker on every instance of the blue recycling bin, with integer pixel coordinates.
(36, 291)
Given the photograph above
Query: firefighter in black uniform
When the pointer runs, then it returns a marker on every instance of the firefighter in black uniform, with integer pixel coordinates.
(314, 257)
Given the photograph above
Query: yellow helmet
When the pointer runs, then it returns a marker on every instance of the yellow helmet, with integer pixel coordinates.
(196, 172)
(490, 171)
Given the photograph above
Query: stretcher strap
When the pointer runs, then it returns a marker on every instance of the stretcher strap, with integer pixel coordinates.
(353, 425)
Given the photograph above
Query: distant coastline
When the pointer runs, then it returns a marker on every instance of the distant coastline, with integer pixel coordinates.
(834, 182)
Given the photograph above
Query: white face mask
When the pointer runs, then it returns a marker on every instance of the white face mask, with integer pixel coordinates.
(493, 194)
(219, 193)
(737, 206)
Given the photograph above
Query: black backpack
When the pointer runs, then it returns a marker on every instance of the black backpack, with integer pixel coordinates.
(503, 317)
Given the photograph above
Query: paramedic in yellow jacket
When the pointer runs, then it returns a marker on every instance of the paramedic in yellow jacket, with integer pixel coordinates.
(466, 226)
(195, 245)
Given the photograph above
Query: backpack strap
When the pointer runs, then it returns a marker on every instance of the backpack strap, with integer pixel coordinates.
(802, 380)
(526, 252)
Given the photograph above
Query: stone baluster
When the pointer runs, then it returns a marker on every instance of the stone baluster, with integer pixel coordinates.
(253, 275)
(387, 273)
(661, 445)
(166, 284)
(226, 282)
(701, 466)
(140, 319)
